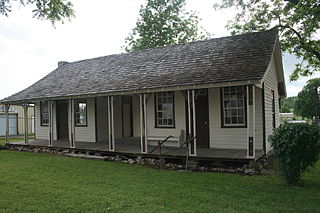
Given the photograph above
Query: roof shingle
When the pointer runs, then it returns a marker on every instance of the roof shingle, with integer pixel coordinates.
(233, 58)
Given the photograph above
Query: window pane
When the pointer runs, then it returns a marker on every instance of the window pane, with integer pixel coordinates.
(81, 113)
(164, 101)
(234, 105)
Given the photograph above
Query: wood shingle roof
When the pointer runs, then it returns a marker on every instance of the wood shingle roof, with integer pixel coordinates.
(226, 59)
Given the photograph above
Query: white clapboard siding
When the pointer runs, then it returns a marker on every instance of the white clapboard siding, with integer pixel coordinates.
(180, 120)
(42, 132)
(87, 133)
(271, 83)
(231, 138)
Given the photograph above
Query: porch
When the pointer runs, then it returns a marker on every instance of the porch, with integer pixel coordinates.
(131, 146)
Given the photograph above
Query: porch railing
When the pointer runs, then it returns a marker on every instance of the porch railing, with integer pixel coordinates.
(187, 142)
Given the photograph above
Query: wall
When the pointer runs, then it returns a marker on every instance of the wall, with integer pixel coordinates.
(87, 133)
(102, 119)
(180, 120)
(232, 138)
(42, 132)
(271, 83)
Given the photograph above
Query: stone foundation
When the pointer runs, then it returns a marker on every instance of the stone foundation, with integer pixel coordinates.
(252, 168)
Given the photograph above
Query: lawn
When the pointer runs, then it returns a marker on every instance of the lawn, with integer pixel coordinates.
(34, 182)
(16, 138)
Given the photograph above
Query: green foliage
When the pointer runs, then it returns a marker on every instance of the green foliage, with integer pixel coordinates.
(164, 22)
(287, 104)
(52, 10)
(297, 147)
(298, 22)
(307, 103)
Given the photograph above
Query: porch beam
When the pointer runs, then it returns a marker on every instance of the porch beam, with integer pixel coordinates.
(7, 107)
(258, 83)
(25, 108)
(111, 123)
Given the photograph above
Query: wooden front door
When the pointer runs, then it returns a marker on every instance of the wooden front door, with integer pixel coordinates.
(62, 120)
(202, 118)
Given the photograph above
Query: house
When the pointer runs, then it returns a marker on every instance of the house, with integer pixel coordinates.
(16, 120)
(220, 94)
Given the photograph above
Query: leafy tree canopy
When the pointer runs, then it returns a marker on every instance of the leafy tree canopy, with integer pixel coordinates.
(164, 22)
(287, 104)
(52, 10)
(297, 20)
(307, 103)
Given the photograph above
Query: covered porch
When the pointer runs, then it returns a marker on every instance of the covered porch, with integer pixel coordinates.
(132, 146)
(136, 123)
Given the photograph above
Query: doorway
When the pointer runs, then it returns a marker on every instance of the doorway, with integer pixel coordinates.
(62, 120)
(202, 118)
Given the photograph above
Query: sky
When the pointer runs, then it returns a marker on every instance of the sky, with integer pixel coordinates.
(31, 48)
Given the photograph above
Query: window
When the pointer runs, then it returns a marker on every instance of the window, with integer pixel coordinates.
(233, 106)
(80, 113)
(44, 113)
(273, 110)
(164, 104)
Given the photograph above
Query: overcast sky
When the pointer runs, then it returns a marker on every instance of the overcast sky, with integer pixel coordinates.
(31, 48)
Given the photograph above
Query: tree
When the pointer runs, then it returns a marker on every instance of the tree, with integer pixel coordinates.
(52, 10)
(297, 20)
(163, 22)
(287, 104)
(307, 103)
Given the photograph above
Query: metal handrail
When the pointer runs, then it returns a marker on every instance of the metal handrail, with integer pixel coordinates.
(160, 143)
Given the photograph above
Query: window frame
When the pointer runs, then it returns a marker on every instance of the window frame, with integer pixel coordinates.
(42, 113)
(273, 110)
(156, 111)
(76, 105)
(222, 108)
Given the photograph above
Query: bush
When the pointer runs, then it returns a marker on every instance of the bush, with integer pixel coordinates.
(296, 146)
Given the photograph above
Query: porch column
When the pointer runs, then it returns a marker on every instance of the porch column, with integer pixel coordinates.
(7, 106)
(111, 124)
(192, 122)
(143, 123)
(25, 107)
(251, 121)
(72, 124)
(50, 109)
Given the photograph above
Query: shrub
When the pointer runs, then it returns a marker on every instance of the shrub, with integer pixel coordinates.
(296, 146)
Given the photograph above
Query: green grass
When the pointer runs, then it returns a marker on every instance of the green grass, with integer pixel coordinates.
(16, 138)
(34, 182)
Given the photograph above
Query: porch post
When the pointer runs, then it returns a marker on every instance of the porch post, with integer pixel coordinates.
(25, 107)
(72, 124)
(254, 120)
(143, 123)
(111, 124)
(50, 123)
(192, 122)
(251, 123)
(7, 106)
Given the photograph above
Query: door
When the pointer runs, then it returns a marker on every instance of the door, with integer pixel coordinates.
(13, 130)
(62, 120)
(127, 116)
(202, 118)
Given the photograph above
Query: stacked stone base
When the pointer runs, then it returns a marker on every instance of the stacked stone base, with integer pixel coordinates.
(252, 168)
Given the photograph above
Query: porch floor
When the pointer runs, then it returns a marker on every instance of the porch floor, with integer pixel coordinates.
(132, 146)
